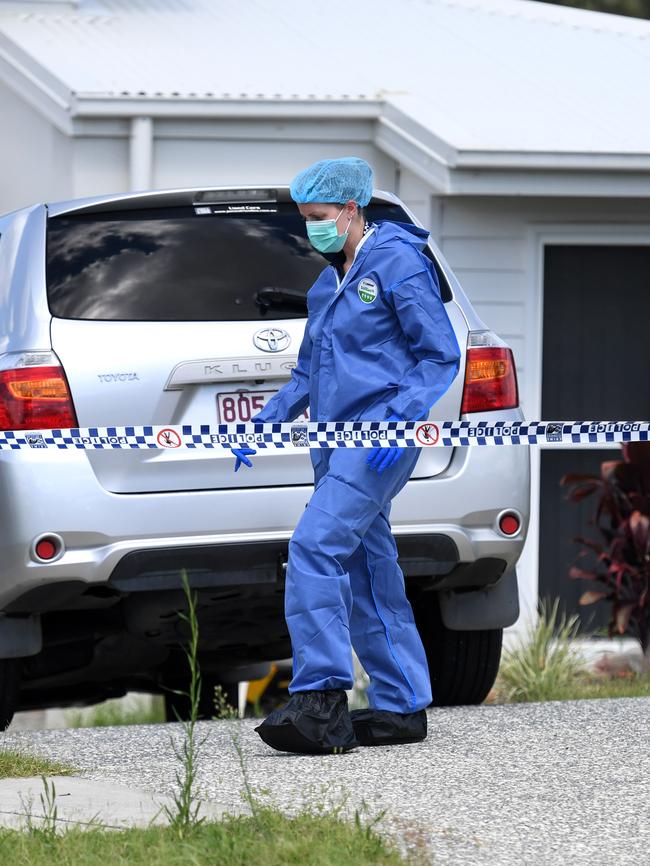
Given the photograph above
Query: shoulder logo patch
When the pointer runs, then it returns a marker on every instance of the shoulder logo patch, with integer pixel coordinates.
(367, 290)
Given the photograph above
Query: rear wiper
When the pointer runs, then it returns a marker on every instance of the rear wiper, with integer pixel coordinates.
(270, 296)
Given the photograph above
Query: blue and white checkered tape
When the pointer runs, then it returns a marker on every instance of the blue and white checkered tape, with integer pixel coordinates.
(330, 434)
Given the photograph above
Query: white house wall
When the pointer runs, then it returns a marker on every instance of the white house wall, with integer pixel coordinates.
(193, 163)
(34, 155)
(39, 163)
(417, 196)
(100, 165)
(197, 152)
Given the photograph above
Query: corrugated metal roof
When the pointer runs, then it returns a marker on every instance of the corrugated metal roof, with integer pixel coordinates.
(253, 49)
(483, 75)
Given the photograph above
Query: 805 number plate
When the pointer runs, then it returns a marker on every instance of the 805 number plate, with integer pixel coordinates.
(238, 407)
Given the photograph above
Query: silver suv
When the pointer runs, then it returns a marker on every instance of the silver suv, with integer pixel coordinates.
(188, 306)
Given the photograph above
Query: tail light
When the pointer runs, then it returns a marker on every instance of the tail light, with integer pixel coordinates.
(34, 392)
(490, 375)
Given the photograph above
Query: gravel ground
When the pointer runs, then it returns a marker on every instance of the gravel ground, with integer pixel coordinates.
(553, 783)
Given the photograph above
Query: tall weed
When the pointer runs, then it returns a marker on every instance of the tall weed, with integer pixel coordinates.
(183, 814)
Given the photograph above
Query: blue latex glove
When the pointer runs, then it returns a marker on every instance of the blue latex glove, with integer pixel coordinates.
(240, 454)
(381, 458)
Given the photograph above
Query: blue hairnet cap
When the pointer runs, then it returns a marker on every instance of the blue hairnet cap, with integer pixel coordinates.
(334, 180)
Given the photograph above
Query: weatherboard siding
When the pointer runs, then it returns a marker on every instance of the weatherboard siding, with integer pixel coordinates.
(486, 240)
(34, 155)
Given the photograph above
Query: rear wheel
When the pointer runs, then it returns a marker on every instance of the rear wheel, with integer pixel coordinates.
(463, 665)
(9, 682)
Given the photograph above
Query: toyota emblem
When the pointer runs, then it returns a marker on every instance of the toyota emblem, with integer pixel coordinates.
(271, 339)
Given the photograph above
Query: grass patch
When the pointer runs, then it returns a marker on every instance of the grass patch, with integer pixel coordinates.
(308, 838)
(18, 765)
(544, 662)
(586, 686)
(116, 712)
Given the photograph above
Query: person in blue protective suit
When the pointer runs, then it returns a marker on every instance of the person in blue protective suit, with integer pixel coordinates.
(378, 345)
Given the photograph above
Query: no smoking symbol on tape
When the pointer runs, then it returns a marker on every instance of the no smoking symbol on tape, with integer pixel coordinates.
(427, 434)
(168, 438)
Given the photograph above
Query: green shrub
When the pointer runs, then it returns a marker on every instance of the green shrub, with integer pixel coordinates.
(545, 662)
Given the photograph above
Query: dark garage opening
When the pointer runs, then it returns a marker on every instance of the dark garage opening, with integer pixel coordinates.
(596, 358)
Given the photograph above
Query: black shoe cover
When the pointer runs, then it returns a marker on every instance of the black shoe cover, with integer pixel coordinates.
(311, 722)
(386, 728)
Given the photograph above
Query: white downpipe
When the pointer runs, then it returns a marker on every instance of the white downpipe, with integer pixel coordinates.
(141, 153)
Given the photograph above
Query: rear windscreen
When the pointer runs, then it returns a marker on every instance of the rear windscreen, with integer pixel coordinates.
(172, 264)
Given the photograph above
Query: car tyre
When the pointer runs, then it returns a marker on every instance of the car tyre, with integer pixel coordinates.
(463, 665)
(9, 683)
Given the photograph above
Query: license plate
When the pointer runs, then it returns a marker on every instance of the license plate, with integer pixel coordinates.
(238, 407)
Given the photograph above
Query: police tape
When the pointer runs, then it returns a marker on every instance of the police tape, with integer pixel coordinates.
(331, 434)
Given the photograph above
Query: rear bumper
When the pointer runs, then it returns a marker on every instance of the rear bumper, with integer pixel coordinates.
(445, 526)
(428, 562)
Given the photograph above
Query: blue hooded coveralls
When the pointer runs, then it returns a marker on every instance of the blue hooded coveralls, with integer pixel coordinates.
(376, 343)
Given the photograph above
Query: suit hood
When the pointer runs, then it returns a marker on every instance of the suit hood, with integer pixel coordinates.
(390, 230)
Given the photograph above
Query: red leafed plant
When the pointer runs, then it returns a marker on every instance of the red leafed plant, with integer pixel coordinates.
(623, 557)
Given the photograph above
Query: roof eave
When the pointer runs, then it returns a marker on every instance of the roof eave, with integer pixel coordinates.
(35, 84)
(553, 160)
(455, 171)
(586, 182)
(122, 105)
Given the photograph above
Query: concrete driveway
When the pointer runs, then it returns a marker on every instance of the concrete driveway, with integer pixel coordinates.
(553, 783)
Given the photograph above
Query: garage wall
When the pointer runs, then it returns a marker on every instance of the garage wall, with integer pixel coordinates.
(100, 164)
(215, 152)
(34, 156)
(250, 152)
(418, 197)
(486, 241)
(491, 245)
